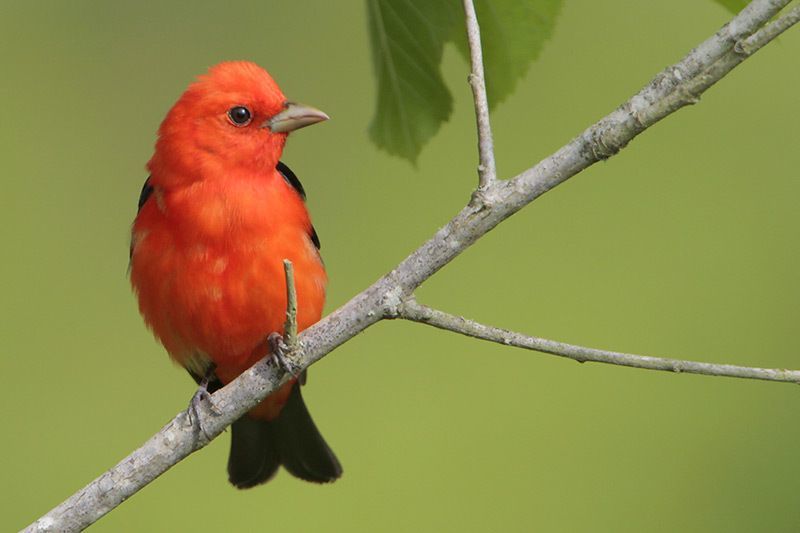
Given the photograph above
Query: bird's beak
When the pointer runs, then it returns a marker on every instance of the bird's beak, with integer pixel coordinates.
(293, 117)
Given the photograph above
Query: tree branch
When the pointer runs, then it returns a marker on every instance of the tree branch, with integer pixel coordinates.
(416, 312)
(675, 87)
(487, 171)
(769, 32)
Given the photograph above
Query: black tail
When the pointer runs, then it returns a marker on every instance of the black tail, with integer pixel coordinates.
(259, 447)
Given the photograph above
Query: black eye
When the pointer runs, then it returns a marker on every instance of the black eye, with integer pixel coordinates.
(239, 115)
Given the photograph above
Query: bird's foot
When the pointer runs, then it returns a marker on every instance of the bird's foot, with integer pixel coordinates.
(201, 400)
(282, 355)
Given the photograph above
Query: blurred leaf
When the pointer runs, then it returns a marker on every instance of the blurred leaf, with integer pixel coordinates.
(734, 6)
(513, 34)
(407, 38)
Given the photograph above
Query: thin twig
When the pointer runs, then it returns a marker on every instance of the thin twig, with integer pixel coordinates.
(384, 298)
(416, 312)
(487, 171)
(290, 326)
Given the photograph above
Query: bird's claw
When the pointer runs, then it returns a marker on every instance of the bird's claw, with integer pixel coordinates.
(201, 399)
(282, 355)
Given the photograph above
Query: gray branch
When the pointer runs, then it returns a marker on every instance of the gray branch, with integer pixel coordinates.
(677, 86)
(772, 30)
(416, 312)
(487, 171)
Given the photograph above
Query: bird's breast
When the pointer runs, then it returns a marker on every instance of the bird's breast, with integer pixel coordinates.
(207, 266)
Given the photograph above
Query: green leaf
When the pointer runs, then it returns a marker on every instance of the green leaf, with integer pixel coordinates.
(513, 34)
(734, 6)
(407, 38)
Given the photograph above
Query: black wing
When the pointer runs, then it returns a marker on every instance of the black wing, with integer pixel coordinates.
(147, 192)
(292, 180)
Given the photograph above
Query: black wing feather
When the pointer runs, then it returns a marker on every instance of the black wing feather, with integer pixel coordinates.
(292, 179)
(147, 192)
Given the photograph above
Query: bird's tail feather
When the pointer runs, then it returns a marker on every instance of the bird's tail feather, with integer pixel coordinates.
(259, 447)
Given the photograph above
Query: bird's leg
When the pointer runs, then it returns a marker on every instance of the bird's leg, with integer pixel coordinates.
(282, 354)
(200, 396)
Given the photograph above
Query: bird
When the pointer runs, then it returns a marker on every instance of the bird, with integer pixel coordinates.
(217, 216)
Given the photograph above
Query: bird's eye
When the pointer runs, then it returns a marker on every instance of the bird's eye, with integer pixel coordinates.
(239, 115)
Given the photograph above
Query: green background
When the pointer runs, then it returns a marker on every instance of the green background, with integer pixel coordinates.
(685, 244)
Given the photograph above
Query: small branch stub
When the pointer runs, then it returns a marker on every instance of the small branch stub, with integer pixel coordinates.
(285, 348)
(290, 326)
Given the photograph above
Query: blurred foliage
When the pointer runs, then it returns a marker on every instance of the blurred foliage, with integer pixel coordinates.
(407, 40)
(684, 244)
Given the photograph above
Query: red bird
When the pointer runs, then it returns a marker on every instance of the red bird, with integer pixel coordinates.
(217, 217)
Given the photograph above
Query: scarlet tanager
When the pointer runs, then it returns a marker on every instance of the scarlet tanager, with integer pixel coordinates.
(217, 217)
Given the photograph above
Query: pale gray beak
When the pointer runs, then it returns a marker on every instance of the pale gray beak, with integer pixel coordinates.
(293, 117)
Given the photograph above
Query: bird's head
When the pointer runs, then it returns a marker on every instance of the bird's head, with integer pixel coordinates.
(233, 116)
